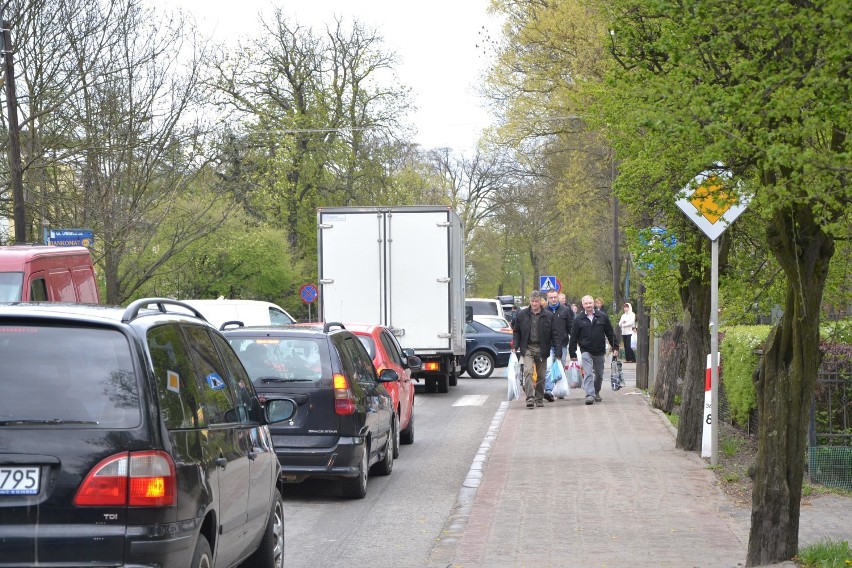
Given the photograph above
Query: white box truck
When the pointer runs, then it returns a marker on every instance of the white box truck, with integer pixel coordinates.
(401, 267)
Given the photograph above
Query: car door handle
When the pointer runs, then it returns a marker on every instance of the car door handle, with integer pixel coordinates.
(252, 455)
(221, 462)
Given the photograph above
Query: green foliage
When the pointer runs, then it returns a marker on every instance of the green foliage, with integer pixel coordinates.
(839, 331)
(738, 363)
(730, 445)
(826, 554)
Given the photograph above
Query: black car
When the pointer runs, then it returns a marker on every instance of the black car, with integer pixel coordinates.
(344, 424)
(132, 437)
(487, 349)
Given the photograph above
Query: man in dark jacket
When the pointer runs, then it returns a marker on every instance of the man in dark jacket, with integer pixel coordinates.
(562, 322)
(534, 336)
(591, 330)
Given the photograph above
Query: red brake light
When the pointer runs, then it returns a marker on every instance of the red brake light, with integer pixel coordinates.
(344, 401)
(139, 479)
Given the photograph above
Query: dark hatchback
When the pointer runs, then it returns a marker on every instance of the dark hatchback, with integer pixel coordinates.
(344, 425)
(487, 349)
(132, 437)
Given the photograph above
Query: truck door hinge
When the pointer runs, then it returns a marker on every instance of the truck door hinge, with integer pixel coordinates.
(444, 335)
(445, 280)
(327, 281)
(443, 224)
(325, 226)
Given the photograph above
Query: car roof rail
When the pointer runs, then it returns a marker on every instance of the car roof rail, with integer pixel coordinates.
(132, 311)
(236, 323)
(329, 324)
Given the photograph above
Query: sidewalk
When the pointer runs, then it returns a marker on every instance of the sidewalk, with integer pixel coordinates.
(602, 485)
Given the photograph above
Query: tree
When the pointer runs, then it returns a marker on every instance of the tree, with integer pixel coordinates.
(765, 86)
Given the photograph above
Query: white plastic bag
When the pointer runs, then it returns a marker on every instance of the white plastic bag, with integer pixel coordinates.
(633, 341)
(560, 387)
(514, 389)
(574, 374)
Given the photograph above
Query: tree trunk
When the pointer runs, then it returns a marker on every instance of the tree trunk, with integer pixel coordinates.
(785, 385)
(695, 297)
(672, 357)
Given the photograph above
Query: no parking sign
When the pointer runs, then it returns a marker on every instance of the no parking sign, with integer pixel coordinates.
(309, 293)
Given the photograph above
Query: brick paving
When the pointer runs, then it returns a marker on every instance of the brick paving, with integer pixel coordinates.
(602, 485)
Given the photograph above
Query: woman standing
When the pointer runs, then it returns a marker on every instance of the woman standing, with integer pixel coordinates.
(627, 323)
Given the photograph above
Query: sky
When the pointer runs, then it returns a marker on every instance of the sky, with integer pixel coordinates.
(435, 42)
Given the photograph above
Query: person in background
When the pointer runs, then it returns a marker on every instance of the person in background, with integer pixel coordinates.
(599, 305)
(533, 335)
(563, 320)
(591, 331)
(574, 308)
(627, 323)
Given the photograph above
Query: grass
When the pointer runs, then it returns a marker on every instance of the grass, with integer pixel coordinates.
(826, 554)
(674, 419)
(730, 445)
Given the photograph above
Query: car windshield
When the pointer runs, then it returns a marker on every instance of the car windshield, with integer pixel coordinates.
(58, 375)
(283, 359)
(11, 284)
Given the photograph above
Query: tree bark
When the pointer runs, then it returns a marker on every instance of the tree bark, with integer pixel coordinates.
(785, 385)
(672, 357)
(695, 297)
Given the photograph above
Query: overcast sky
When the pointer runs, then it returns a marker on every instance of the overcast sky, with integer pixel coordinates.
(435, 40)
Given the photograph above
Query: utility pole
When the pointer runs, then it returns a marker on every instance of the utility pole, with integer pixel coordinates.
(14, 135)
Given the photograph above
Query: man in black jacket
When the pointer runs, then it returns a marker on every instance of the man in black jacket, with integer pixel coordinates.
(562, 322)
(591, 330)
(534, 336)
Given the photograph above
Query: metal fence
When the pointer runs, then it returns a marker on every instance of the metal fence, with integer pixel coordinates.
(830, 431)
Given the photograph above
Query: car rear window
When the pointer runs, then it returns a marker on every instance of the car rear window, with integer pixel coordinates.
(11, 284)
(64, 376)
(483, 308)
(283, 359)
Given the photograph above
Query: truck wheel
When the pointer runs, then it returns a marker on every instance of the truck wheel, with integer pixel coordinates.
(444, 383)
(480, 365)
(431, 385)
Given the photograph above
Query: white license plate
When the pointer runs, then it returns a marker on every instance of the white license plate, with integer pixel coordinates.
(19, 480)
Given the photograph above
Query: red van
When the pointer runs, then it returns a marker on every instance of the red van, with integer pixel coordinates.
(33, 273)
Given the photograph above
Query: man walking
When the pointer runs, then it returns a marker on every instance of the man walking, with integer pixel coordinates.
(562, 322)
(533, 335)
(591, 330)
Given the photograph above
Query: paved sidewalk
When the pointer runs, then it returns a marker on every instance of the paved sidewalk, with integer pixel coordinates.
(602, 485)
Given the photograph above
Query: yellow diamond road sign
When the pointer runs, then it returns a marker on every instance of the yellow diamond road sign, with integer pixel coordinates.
(710, 202)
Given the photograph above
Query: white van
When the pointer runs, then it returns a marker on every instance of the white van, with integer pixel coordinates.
(249, 312)
(485, 307)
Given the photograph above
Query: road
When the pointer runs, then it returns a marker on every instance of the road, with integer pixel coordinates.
(397, 523)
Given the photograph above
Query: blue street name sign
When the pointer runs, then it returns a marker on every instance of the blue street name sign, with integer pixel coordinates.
(70, 237)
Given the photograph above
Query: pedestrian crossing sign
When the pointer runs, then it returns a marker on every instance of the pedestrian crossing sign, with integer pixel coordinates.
(547, 283)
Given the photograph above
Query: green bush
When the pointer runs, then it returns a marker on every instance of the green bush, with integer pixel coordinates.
(836, 331)
(738, 363)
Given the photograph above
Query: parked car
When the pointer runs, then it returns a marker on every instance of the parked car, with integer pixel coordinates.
(386, 353)
(487, 349)
(132, 437)
(248, 312)
(344, 424)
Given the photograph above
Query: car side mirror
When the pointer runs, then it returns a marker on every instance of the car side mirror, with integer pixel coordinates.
(388, 376)
(279, 410)
(413, 362)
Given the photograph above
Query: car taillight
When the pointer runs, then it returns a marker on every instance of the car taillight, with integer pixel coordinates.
(431, 366)
(137, 479)
(344, 402)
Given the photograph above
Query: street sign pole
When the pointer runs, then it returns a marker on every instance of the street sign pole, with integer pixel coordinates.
(714, 352)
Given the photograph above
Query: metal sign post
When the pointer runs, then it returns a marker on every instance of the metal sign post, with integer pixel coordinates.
(712, 205)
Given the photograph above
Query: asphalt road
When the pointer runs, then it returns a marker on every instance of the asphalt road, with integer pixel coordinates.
(398, 521)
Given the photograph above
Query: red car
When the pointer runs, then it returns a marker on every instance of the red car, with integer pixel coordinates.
(388, 354)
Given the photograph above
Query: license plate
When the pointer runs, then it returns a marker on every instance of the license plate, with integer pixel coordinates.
(19, 480)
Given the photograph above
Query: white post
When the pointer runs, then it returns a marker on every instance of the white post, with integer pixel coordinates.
(714, 353)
